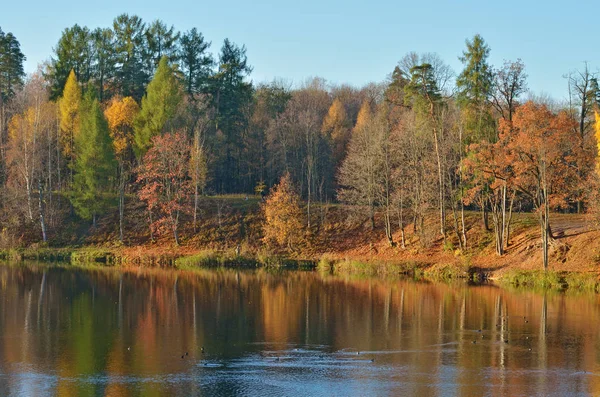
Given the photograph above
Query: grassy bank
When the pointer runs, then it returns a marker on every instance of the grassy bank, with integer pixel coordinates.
(116, 257)
(463, 271)
(341, 241)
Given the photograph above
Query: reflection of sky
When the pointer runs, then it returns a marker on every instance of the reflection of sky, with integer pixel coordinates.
(98, 331)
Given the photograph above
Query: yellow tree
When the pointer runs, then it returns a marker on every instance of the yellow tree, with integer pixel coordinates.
(69, 106)
(283, 215)
(598, 141)
(120, 114)
(364, 116)
(29, 159)
(335, 127)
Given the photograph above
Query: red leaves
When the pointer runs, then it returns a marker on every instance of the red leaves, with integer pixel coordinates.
(165, 183)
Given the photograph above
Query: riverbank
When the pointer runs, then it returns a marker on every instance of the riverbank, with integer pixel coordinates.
(341, 241)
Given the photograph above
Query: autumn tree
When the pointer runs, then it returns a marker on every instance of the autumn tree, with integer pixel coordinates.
(31, 157)
(424, 97)
(474, 85)
(509, 83)
(540, 152)
(597, 128)
(299, 147)
(159, 107)
(583, 88)
(120, 115)
(69, 105)
(336, 128)
(95, 165)
(165, 183)
(487, 167)
(200, 114)
(284, 225)
(270, 101)
(357, 175)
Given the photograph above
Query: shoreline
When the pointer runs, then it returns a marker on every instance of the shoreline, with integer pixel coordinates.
(556, 280)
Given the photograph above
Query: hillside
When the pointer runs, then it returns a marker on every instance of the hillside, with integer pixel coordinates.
(228, 224)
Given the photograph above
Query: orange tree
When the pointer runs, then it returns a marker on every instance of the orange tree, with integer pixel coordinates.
(539, 147)
(165, 183)
(284, 218)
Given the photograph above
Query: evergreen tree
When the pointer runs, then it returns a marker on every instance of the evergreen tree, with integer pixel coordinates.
(394, 93)
(129, 55)
(104, 60)
(11, 65)
(74, 51)
(160, 41)
(475, 82)
(95, 164)
(231, 97)
(422, 92)
(159, 107)
(196, 63)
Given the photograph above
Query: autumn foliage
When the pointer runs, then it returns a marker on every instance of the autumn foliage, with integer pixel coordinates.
(165, 183)
(284, 225)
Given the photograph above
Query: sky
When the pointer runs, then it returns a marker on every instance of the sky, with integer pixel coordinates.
(354, 42)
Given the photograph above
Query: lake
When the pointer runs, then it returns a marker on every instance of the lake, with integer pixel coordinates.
(149, 332)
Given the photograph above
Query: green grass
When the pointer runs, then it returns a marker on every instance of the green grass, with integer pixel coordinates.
(537, 279)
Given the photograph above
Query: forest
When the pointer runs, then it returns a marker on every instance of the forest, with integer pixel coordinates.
(139, 112)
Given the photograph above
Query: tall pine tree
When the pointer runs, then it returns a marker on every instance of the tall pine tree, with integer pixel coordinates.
(95, 165)
(74, 52)
(196, 63)
(11, 65)
(231, 96)
(131, 76)
(159, 107)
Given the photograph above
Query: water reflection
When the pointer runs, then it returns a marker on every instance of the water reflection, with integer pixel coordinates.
(101, 331)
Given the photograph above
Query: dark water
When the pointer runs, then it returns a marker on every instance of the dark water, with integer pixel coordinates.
(99, 331)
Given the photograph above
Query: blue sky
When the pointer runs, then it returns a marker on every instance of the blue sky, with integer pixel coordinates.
(352, 42)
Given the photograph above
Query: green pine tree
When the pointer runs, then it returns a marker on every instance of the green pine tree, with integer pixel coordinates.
(159, 107)
(474, 85)
(11, 65)
(95, 164)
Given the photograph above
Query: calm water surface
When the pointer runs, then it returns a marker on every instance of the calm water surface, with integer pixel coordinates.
(106, 332)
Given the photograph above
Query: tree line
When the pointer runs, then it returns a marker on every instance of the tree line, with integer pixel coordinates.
(142, 109)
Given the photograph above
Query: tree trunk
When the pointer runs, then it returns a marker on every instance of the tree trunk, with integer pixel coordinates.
(121, 210)
(175, 233)
(195, 205)
(372, 216)
(545, 214)
(462, 221)
(388, 228)
(41, 209)
(441, 188)
(510, 212)
(401, 220)
(29, 193)
(486, 222)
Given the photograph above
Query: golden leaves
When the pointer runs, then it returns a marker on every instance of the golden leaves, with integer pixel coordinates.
(120, 114)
